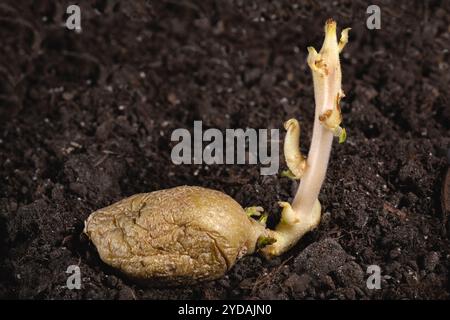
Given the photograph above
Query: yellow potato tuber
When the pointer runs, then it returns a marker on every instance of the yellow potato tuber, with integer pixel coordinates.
(179, 235)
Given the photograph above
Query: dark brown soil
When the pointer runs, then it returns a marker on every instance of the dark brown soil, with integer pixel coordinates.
(86, 120)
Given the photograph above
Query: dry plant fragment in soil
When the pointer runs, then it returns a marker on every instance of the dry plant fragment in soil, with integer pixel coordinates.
(187, 234)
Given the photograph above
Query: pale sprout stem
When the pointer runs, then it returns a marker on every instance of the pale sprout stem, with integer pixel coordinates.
(305, 212)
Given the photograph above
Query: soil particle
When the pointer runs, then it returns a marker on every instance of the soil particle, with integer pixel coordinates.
(349, 274)
(126, 293)
(298, 283)
(431, 260)
(320, 258)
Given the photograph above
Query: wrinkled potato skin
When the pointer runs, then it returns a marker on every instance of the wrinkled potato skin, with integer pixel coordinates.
(180, 235)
